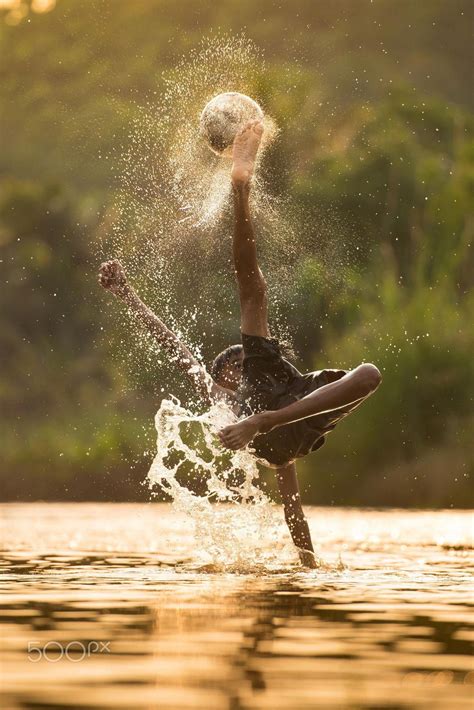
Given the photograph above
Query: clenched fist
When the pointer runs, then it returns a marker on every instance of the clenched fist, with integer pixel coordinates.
(112, 276)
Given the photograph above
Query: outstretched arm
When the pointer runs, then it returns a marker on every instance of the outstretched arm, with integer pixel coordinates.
(294, 515)
(113, 278)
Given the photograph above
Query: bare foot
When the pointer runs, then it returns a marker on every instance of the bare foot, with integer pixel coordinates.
(244, 152)
(308, 559)
(112, 277)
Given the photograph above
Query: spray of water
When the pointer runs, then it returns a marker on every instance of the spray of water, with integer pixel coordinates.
(173, 208)
(236, 526)
(172, 231)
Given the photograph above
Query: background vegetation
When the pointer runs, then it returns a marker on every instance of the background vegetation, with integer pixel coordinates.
(374, 99)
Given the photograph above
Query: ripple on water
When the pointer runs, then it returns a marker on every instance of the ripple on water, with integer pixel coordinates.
(393, 629)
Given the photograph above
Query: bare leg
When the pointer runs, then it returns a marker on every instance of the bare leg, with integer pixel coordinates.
(252, 287)
(294, 515)
(350, 390)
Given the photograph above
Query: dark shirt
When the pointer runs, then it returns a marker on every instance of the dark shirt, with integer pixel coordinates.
(270, 382)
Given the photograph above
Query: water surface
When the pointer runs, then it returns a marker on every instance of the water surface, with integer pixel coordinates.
(110, 606)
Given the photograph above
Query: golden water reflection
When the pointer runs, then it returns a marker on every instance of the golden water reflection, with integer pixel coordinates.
(119, 615)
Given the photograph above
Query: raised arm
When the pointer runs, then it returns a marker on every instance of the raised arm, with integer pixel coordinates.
(294, 515)
(113, 278)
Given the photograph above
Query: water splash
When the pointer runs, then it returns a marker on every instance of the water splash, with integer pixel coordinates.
(236, 526)
(235, 523)
(173, 208)
(172, 215)
(173, 188)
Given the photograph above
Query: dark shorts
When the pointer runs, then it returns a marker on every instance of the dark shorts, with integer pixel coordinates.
(269, 381)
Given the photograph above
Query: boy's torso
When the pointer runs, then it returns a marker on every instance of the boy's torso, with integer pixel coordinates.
(269, 382)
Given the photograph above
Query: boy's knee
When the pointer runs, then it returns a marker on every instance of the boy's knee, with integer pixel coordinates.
(370, 376)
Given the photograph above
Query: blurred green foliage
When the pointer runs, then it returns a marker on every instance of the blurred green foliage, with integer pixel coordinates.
(374, 101)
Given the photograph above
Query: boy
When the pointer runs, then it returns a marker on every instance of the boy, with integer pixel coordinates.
(287, 414)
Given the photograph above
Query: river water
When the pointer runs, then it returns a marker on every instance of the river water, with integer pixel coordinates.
(110, 606)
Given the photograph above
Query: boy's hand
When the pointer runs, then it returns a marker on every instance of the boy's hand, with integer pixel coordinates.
(112, 276)
(237, 436)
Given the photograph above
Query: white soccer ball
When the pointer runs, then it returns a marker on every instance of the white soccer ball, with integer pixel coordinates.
(224, 116)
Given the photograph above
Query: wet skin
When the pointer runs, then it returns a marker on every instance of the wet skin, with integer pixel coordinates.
(353, 388)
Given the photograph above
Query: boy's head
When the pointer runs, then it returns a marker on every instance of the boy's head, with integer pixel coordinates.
(226, 369)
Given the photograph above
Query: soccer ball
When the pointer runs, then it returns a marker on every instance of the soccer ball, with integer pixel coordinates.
(224, 116)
